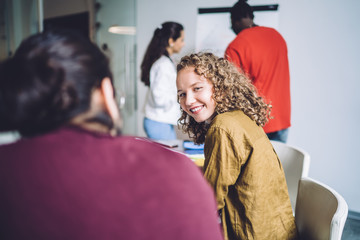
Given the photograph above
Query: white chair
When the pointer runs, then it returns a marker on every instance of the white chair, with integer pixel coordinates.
(296, 163)
(320, 211)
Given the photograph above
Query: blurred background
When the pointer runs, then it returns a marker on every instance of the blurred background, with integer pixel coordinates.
(323, 39)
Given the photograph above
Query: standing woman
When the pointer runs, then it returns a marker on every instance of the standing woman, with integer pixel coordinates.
(159, 74)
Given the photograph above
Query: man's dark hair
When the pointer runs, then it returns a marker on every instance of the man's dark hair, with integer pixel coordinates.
(241, 10)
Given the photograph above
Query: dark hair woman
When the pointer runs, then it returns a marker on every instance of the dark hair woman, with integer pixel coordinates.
(42, 88)
(71, 176)
(159, 74)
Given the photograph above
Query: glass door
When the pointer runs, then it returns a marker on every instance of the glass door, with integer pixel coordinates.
(115, 34)
(18, 20)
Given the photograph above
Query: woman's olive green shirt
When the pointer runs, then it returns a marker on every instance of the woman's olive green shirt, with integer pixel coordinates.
(248, 180)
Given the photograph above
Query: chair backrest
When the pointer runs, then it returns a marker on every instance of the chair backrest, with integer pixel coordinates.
(296, 163)
(320, 211)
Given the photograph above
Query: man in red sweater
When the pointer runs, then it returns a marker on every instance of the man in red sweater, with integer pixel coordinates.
(261, 52)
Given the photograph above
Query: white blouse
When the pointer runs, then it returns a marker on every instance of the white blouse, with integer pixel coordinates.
(161, 100)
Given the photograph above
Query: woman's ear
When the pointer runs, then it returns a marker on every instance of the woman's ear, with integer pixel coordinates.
(171, 42)
(107, 91)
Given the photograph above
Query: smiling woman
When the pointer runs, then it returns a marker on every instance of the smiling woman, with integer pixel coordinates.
(195, 95)
(229, 90)
(221, 107)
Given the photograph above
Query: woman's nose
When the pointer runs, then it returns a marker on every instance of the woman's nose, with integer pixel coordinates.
(190, 99)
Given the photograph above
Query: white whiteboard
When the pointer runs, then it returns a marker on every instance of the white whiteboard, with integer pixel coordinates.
(214, 33)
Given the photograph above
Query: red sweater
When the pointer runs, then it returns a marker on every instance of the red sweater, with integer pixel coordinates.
(261, 53)
(74, 184)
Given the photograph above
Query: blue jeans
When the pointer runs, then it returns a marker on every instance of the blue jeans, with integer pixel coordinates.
(280, 136)
(158, 130)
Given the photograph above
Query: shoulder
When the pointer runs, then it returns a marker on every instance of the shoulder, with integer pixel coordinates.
(229, 120)
(239, 39)
(267, 32)
(271, 31)
(266, 29)
(153, 157)
(240, 42)
(235, 124)
(226, 125)
(163, 66)
(163, 61)
(148, 150)
(172, 170)
(249, 33)
(229, 136)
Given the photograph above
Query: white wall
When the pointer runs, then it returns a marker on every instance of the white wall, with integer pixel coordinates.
(323, 39)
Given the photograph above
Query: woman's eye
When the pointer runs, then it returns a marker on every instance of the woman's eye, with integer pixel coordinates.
(197, 89)
(181, 95)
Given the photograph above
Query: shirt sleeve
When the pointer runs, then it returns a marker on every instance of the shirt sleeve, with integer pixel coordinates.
(222, 163)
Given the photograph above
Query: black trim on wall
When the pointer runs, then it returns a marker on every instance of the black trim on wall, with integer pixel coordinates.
(273, 7)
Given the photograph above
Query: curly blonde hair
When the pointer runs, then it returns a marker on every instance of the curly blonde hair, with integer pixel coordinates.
(233, 90)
